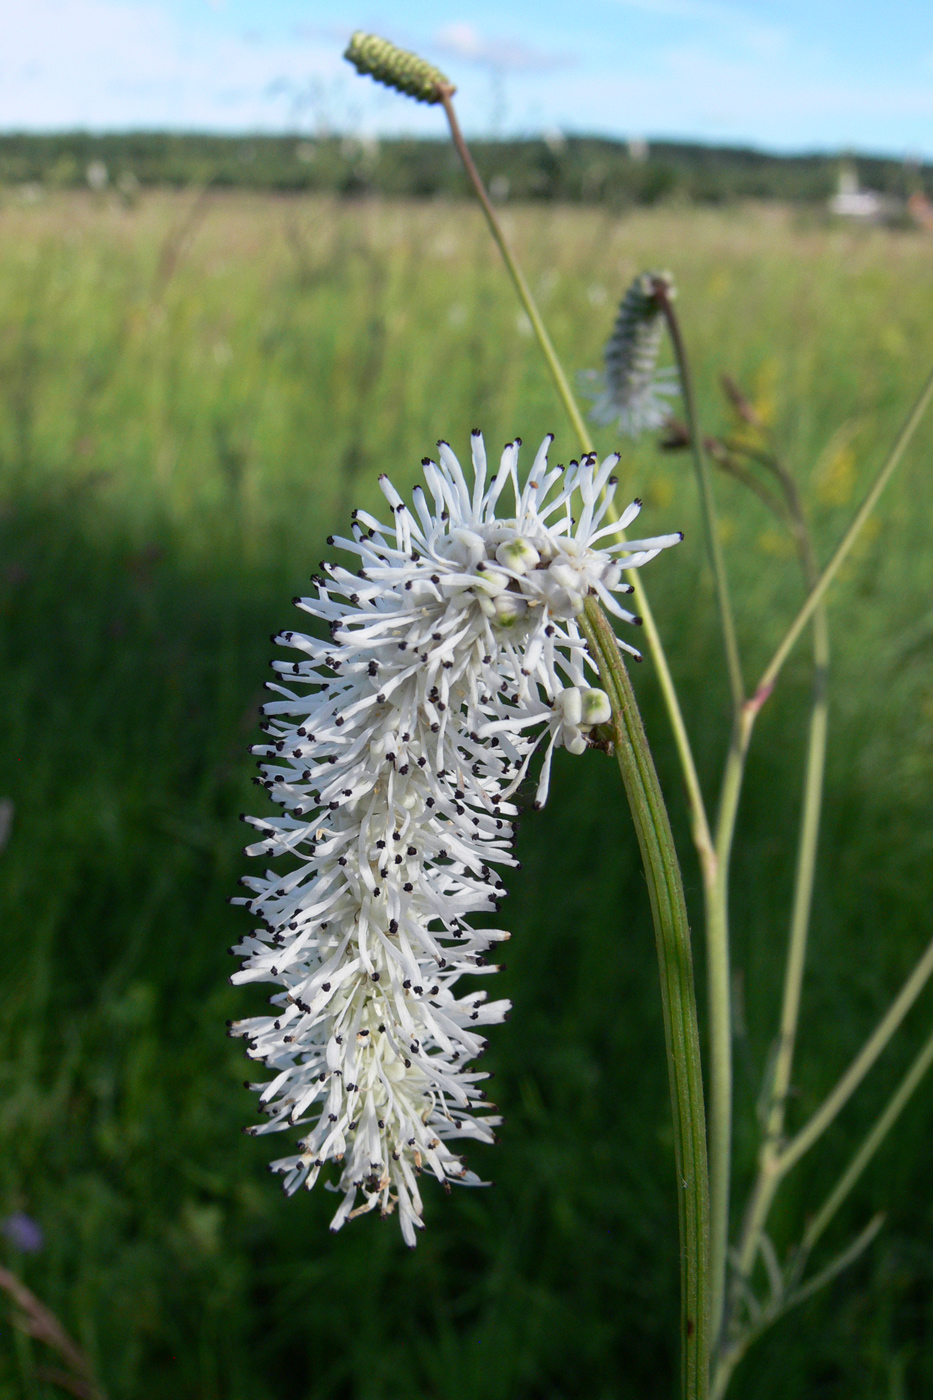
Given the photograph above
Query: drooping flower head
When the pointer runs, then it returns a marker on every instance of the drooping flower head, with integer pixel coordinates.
(395, 749)
(631, 390)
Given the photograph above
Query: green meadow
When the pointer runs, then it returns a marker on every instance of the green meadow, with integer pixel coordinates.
(195, 389)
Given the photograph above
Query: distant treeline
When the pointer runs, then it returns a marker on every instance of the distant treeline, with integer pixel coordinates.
(577, 168)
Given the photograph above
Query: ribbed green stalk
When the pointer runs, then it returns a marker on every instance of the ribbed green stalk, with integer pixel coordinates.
(682, 1036)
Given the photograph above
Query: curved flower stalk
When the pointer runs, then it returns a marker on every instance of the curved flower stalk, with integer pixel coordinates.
(631, 389)
(395, 749)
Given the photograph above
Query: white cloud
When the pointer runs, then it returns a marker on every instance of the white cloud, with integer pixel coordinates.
(99, 63)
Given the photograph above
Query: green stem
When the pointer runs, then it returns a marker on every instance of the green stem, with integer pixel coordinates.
(768, 1178)
(888, 467)
(842, 1261)
(882, 1126)
(720, 1016)
(716, 870)
(774, 1164)
(860, 1066)
(768, 1181)
(700, 830)
(803, 883)
(515, 272)
(731, 1358)
(677, 994)
(707, 498)
(726, 458)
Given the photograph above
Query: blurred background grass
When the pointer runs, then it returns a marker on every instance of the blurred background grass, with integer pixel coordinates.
(194, 391)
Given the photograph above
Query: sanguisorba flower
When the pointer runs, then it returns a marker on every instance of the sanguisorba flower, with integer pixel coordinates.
(631, 390)
(395, 749)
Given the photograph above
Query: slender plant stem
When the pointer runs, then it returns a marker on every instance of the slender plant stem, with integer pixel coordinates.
(716, 871)
(726, 461)
(720, 1100)
(768, 1179)
(759, 1204)
(700, 829)
(790, 1299)
(888, 467)
(727, 1362)
(681, 1028)
(774, 1164)
(719, 993)
(803, 881)
(36, 1320)
(770, 1174)
(707, 497)
(699, 821)
(515, 272)
(842, 1261)
(860, 1066)
(882, 1126)
(774, 1168)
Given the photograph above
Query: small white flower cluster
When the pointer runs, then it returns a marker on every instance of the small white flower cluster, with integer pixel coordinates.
(395, 749)
(631, 390)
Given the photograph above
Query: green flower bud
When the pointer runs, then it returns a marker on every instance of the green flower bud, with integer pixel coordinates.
(595, 707)
(510, 609)
(397, 68)
(518, 554)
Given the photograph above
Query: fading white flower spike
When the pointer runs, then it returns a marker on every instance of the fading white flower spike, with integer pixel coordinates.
(395, 749)
(631, 390)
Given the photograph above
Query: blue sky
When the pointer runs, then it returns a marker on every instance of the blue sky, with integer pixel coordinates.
(798, 75)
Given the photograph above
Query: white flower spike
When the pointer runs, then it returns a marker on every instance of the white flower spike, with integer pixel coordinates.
(395, 749)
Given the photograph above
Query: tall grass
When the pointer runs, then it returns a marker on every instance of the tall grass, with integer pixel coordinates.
(193, 393)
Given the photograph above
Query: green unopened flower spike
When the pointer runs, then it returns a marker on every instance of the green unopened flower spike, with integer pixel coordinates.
(631, 389)
(397, 68)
